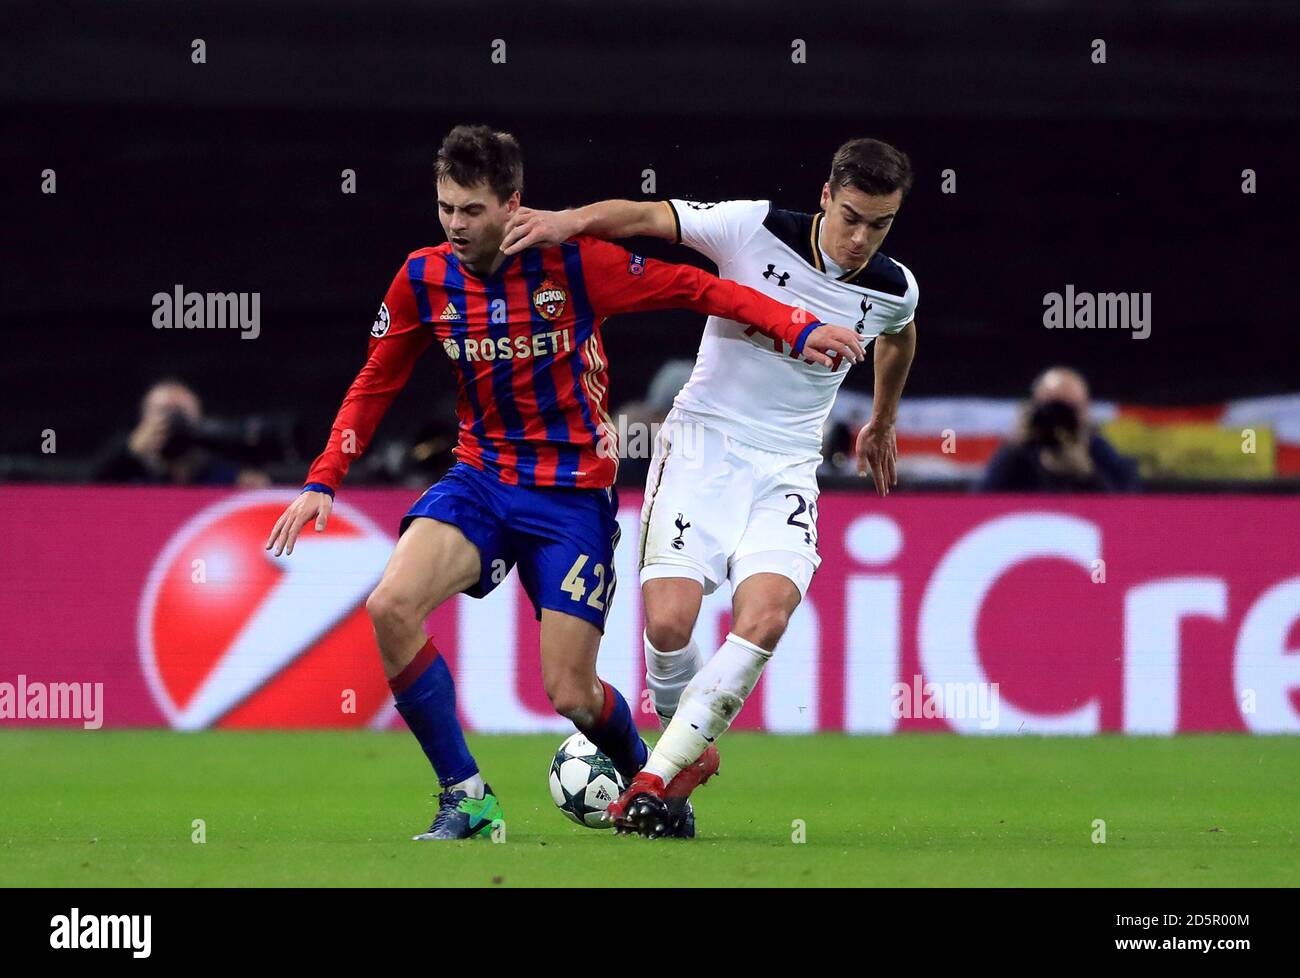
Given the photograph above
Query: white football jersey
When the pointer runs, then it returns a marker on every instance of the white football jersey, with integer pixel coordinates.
(747, 384)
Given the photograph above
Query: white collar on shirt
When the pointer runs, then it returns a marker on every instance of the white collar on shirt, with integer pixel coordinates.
(832, 268)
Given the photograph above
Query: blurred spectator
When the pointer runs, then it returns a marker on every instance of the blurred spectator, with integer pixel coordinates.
(414, 462)
(849, 412)
(429, 456)
(1056, 448)
(174, 444)
(664, 386)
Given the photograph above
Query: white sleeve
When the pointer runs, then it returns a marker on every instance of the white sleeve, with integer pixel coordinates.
(718, 230)
(907, 308)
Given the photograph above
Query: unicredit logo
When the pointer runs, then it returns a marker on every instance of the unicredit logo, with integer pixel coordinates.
(230, 636)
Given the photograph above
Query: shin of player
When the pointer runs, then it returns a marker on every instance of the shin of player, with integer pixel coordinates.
(672, 656)
(715, 694)
(597, 709)
(432, 562)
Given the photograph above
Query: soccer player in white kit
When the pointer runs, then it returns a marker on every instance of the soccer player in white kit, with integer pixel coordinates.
(732, 492)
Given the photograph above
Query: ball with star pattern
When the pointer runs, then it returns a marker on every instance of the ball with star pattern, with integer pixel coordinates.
(584, 782)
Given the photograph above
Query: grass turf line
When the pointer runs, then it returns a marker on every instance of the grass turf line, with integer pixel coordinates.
(116, 808)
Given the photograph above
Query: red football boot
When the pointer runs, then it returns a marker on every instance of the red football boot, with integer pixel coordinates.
(641, 808)
(691, 777)
(650, 808)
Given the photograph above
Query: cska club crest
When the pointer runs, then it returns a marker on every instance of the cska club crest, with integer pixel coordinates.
(549, 300)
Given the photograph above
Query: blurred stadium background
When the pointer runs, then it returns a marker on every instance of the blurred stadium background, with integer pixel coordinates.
(225, 176)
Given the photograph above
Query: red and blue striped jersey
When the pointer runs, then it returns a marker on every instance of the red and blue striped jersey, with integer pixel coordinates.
(526, 350)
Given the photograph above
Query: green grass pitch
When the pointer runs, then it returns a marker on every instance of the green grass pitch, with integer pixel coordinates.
(337, 809)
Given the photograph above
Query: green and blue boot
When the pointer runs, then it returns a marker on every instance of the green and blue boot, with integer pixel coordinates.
(462, 817)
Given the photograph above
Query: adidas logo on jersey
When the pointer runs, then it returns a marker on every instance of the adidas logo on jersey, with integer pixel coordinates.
(449, 312)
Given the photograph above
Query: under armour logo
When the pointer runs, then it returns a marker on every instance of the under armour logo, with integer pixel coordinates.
(682, 527)
(779, 276)
(861, 324)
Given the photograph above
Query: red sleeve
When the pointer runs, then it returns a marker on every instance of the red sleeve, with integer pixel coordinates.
(397, 339)
(618, 281)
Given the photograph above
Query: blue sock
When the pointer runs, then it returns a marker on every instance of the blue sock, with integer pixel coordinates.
(615, 736)
(425, 696)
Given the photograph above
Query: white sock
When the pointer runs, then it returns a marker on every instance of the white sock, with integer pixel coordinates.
(711, 701)
(473, 787)
(667, 673)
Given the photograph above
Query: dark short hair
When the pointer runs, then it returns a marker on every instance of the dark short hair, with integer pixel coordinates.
(872, 166)
(473, 154)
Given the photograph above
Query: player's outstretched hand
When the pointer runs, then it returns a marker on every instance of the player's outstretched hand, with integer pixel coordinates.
(877, 450)
(828, 342)
(529, 228)
(308, 506)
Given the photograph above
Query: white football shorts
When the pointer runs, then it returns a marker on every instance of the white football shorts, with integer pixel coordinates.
(718, 509)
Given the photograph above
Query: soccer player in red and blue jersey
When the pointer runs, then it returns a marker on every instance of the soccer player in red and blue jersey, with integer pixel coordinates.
(536, 458)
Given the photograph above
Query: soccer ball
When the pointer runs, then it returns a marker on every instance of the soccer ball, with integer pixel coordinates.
(584, 782)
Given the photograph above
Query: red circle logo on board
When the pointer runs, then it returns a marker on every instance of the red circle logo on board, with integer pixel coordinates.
(231, 636)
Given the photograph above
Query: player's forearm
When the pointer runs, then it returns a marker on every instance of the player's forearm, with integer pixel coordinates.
(893, 360)
(353, 428)
(367, 401)
(713, 296)
(636, 285)
(625, 219)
